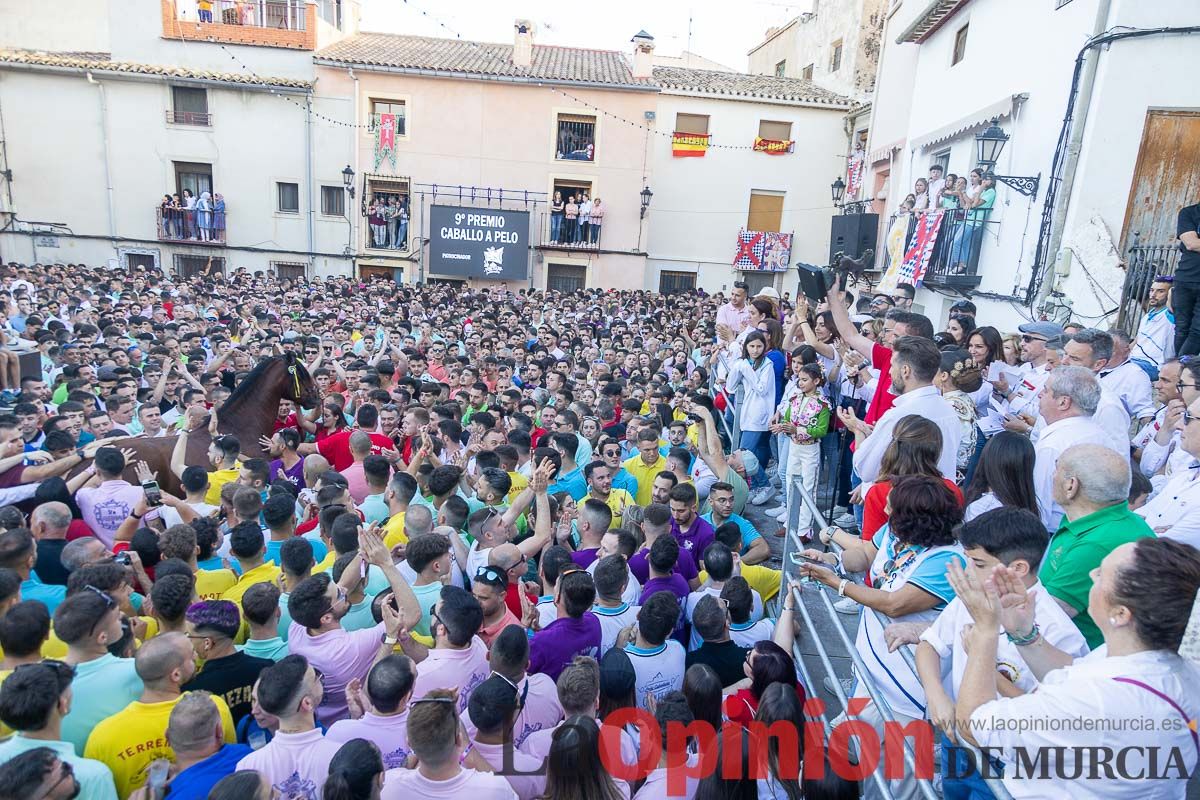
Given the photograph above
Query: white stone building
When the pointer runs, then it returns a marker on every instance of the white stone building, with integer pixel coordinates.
(701, 204)
(107, 105)
(1126, 163)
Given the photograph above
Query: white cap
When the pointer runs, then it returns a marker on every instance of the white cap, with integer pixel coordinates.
(768, 291)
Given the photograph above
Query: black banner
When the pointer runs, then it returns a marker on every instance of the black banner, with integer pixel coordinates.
(479, 243)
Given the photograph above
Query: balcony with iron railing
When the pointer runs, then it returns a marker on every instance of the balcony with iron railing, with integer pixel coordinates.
(559, 233)
(268, 23)
(190, 226)
(955, 258)
(197, 118)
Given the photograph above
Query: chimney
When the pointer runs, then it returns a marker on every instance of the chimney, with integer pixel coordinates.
(643, 55)
(523, 43)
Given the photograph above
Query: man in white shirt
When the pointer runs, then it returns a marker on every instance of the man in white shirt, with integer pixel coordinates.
(1155, 341)
(1067, 404)
(1093, 348)
(1127, 380)
(915, 362)
(1174, 512)
(658, 660)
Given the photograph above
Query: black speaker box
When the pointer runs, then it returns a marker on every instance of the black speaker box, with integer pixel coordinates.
(853, 234)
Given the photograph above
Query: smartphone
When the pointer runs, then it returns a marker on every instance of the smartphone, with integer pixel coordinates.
(153, 493)
(157, 781)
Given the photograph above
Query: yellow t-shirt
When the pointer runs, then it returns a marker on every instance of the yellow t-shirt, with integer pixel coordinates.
(263, 573)
(644, 475)
(218, 479)
(763, 580)
(393, 531)
(325, 564)
(130, 740)
(211, 584)
(616, 499)
(519, 484)
(5, 731)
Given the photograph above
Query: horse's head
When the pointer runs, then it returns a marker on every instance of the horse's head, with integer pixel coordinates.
(299, 387)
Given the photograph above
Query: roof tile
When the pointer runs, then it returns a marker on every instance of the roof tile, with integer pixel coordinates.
(740, 84)
(99, 62)
(569, 64)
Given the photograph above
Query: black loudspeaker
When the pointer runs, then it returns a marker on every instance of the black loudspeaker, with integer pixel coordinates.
(853, 235)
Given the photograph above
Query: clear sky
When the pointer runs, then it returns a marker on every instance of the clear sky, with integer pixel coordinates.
(720, 29)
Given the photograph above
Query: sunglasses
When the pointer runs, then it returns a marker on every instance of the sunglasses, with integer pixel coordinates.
(1027, 338)
(491, 575)
(1188, 417)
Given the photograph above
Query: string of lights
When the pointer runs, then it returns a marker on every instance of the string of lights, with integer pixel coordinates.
(599, 110)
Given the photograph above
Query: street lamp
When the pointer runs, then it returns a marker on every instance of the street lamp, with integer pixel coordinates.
(348, 184)
(838, 187)
(988, 144)
(646, 196)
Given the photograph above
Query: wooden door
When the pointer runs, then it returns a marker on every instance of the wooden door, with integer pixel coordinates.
(1167, 177)
(368, 273)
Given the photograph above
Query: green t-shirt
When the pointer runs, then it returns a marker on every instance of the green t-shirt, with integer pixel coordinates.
(1078, 548)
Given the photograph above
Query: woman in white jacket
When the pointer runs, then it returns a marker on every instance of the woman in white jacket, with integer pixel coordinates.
(755, 372)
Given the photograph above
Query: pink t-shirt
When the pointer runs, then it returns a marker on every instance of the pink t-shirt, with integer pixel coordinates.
(356, 481)
(538, 744)
(296, 764)
(527, 787)
(655, 787)
(406, 784)
(452, 669)
(542, 710)
(390, 733)
(341, 656)
(106, 506)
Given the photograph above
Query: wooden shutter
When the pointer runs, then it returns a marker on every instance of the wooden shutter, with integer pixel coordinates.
(766, 212)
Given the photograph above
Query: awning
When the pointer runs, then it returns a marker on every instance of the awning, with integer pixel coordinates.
(884, 153)
(929, 20)
(1001, 109)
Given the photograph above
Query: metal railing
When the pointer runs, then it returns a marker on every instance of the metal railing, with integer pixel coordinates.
(189, 118)
(277, 14)
(1143, 263)
(576, 141)
(189, 225)
(798, 495)
(960, 241)
(569, 234)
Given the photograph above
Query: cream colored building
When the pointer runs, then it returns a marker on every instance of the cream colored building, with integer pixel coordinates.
(107, 105)
(833, 43)
(701, 204)
(492, 126)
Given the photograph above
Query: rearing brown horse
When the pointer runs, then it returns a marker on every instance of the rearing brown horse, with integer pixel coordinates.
(248, 414)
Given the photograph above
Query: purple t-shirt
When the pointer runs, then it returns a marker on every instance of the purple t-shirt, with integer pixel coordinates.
(557, 644)
(639, 565)
(675, 584)
(584, 558)
(696, 538)
(294, 476)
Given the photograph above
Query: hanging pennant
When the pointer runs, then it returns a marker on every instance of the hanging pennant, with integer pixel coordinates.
(385, 140)
(774, 147)
(689, 145)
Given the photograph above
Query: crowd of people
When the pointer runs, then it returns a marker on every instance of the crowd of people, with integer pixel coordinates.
(272, 538)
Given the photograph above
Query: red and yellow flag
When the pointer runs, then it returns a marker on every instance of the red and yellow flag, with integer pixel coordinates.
(689, 145)
(773, 147)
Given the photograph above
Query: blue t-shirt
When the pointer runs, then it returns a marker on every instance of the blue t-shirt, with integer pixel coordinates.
(49, 594)
(273, 548)
(930, 574)
(749, 533)
(624, 480)
(572, 483)
(195, 782)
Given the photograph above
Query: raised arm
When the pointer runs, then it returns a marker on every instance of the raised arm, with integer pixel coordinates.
(845, 328)
(376, 552)
(542, 528)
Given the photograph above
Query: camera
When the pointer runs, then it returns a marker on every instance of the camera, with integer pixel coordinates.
(123, 558)
(816, 281)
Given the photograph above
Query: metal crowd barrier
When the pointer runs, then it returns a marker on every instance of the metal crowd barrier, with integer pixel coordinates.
(797, 494)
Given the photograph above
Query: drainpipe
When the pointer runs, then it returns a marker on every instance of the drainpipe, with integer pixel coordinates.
(1083, 105)
(308, 178)
(112, 220)
(357, 167)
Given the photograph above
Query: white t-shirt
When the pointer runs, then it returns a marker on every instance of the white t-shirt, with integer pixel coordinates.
(406, 784)
(751, 633)
(659, 669)
(695, 597)
(945, 636)
(612, 620)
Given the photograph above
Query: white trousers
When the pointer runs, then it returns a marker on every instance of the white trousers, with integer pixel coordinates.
(803, 461)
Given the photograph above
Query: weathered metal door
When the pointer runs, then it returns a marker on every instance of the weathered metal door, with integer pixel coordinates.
(1167, 177)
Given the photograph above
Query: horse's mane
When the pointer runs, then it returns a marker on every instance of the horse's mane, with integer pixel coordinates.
(248, 384)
